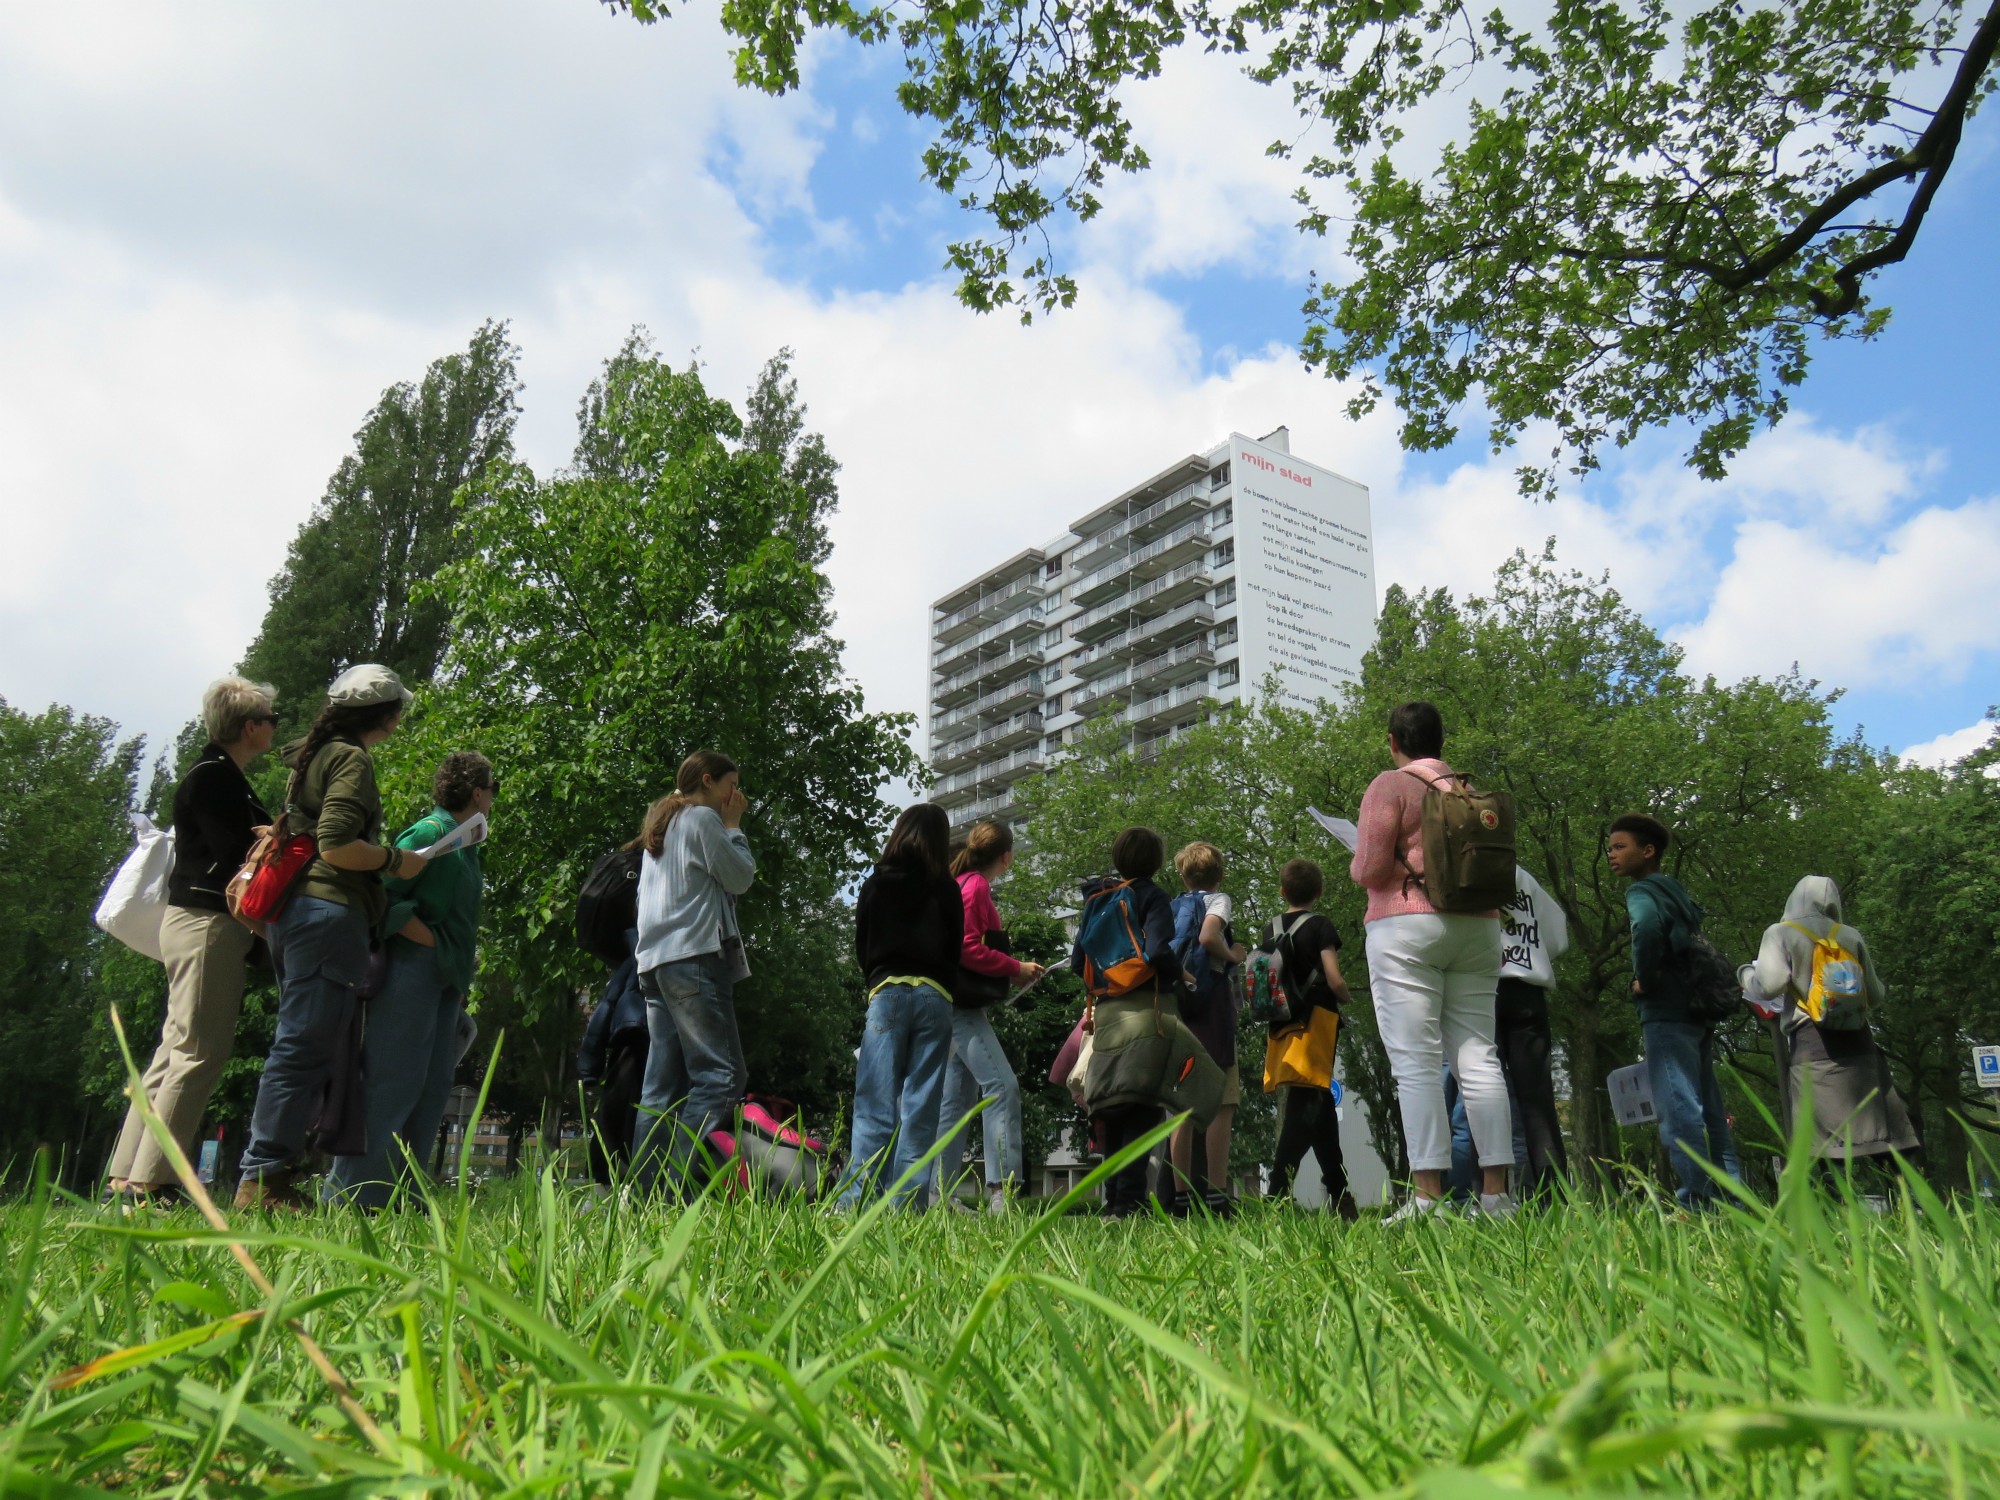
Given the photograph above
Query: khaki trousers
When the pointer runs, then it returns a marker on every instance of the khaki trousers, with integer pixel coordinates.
(205, 953)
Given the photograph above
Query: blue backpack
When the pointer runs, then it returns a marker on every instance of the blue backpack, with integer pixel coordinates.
(1114, 954)
(1190, 911)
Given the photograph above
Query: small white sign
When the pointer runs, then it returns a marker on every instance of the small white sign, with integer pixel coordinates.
(1631, 1095)
(1986, 1066)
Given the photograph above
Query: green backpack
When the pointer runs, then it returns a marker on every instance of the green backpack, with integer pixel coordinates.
(1468, 842)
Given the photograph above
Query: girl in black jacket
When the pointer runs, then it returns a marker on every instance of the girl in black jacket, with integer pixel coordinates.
(908, 926)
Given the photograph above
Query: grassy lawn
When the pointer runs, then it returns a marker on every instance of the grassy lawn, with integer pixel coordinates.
(514, 1341)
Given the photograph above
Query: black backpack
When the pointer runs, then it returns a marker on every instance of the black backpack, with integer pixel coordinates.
(1712, 990)
(608, 906)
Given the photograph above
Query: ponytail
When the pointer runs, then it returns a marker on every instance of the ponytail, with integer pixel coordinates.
(989, 842)
(336, 721)
(703, 765)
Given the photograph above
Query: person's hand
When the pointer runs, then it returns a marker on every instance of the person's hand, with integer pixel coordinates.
(1028, 973)
(418, 931)
(410, 865)
(1638, 988)
(734, 806)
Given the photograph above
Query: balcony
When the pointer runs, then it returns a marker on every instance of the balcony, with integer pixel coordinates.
(1108, 655)
(955, 753)
(1020, 730)
(1171, 628)
(964, 684)
(1001, 806)
(1100, 694)
(1008, 768)
(1022, 690)
(962, 653)
(1149, 712)
(988, 606)
(1142, 525)
(1148, 747)
(1163, 554)
(1189, 659)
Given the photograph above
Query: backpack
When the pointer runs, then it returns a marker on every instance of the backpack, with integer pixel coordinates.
(1114, 953)
(1197, 966)
(1838, 998)
(1265, 994)
(608, 905)
(1468, 841)
(1712, 990)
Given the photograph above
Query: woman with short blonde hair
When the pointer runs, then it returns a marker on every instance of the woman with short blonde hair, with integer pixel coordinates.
(216, 814)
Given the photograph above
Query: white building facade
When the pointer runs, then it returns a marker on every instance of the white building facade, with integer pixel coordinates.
(1185, 590)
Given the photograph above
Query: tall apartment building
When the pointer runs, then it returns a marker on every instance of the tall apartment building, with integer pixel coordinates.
(1187, 589)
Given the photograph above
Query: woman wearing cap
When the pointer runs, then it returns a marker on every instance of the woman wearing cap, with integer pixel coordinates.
(216, 816)
(411, 1049)
(320, 940)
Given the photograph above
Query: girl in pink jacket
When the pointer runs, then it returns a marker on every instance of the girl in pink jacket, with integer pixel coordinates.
(979, 1068)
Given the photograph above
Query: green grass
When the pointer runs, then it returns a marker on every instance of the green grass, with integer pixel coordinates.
(511, 1343)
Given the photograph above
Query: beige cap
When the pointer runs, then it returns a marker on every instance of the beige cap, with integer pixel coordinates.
(367, 685)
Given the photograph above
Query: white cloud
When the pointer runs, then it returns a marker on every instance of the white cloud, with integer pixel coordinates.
(1857, 611)
(1951, 748)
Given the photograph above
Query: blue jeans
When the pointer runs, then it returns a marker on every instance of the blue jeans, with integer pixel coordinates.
(1464, 1179)
(979, 1069)
(320, 949)
(1687, 1097)
(407, 1059)
(898, 1087)
(694, 1068)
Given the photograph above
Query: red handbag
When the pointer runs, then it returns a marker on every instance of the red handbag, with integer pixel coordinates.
(257, 893)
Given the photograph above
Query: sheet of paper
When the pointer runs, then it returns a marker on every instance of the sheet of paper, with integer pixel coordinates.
(471, 831)
(1341, 828)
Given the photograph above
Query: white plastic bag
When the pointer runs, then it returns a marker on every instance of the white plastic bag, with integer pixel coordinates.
(136, 902)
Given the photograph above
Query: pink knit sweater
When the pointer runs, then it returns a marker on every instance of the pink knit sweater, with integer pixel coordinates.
(1390, 819)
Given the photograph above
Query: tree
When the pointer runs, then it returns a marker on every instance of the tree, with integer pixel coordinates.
(663, 594)
(351, 587)
(1553, 688)
(67, 784)
(1647, 223)
(1929, 904)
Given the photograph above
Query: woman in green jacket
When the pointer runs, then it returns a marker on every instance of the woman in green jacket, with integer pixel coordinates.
(410, 1050)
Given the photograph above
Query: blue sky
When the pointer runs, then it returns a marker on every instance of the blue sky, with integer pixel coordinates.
(224, 229)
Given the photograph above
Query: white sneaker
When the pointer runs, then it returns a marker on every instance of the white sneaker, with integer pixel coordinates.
(1494, 1206)
(997, 1202)
(1417, 1206)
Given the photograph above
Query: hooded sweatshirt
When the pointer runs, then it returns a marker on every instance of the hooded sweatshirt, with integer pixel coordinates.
(1785, 958)
(1665, 919)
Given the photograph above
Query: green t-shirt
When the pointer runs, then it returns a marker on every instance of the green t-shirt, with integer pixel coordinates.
(446, 897)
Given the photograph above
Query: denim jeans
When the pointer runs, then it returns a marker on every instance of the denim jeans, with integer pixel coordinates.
(978, 1069)
(694, 1069)
(320, 949)
(1465, 1179)
(407, 1058)
(1687, 1097)
(898, 1087)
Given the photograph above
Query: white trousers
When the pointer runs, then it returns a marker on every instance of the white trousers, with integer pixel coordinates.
(1433, 979)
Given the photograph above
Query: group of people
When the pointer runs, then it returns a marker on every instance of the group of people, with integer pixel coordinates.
(1460, 997)
(368, 918)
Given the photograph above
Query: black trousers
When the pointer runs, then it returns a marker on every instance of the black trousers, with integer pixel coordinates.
(1522, 1010)
(1125, 1191)
(1309, 1121)
(617, 1110)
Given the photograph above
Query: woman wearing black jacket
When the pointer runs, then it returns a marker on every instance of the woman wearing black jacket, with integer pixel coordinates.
(215, 817)
(909, 924)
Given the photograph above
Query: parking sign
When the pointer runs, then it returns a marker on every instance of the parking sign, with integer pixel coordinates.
(1986, 1066)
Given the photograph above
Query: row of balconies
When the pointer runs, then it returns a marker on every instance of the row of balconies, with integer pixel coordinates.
(1004, 771)
(1096, 551)
(1020, 690)
(1001, 806)
(987, 606)
(956, 754)
(1184, 582)
(959, 653)
(952, 690)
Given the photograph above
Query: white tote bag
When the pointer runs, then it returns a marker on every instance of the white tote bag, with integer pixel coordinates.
(136, 902)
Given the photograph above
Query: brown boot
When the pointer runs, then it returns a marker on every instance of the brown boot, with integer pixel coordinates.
(271, 1192)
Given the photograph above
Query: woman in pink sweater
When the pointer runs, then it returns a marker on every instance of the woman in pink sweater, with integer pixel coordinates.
(1433, 975)
(979, 1068)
